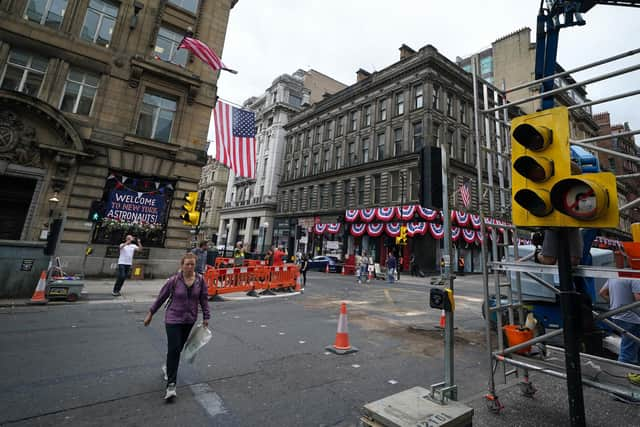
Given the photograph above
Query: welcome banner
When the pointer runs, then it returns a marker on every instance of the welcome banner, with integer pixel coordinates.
(141, 208)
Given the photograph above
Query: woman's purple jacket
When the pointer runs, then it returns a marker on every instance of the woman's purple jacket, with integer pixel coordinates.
(183, 307)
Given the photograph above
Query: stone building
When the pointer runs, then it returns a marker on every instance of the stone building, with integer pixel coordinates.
(250, 204)
(213, 186)
(97, 104)
(362, 148)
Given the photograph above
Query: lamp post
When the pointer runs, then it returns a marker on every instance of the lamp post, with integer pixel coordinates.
(226, 239)
(264, 227)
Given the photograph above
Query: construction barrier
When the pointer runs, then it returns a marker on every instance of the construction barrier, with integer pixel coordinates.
(251, 278)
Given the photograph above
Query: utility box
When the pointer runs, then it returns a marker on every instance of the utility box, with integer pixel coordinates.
(414, 407)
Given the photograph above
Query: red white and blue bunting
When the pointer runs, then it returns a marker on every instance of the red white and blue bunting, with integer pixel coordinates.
(406, 213)
(469, 236)
(385, 214)
(428, 214)
(416, 228)
(475, 221)
(358, 229)
(393, 229)
(479, 238)
(334, 228)
(351, 215)
(320, 228)
(455, 233)
(367, 214)
(436, 230)
(462, 218)
(375, 230)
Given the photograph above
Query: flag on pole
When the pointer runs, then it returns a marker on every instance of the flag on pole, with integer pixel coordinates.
(205, 53)
(235, 131)
(465, 193)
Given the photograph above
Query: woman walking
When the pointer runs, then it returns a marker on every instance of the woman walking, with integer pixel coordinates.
(184, 290)
(304, 266)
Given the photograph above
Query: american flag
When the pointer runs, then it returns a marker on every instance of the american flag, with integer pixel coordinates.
(465, 193)
(204, 52)
(235, 138)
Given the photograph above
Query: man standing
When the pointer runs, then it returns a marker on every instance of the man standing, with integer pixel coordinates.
(621, 292)
(238, 255)
(278, 256)
(127, 248)
(201, 256)
(391, 267)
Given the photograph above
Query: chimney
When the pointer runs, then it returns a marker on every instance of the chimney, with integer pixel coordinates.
(406, 51)
(362, 74)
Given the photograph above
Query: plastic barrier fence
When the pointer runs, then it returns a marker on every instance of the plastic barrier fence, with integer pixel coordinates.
(247, 278)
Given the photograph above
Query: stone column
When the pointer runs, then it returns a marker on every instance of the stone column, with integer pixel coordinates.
(248, 233)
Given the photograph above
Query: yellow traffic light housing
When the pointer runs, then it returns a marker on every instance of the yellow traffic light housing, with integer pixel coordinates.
(540, 157)
(190, 214)
(402, 237)
(589, 200)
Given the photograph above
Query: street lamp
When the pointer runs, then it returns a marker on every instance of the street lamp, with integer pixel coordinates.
(226, 239)
(264, 227)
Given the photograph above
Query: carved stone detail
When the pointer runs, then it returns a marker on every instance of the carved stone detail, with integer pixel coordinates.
(192, 92)
(17, 141)
(136, 74)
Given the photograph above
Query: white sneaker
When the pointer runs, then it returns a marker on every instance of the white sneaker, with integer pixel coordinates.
(171, 392)
(164, 371)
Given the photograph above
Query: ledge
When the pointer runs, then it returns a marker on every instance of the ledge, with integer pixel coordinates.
(137, 140)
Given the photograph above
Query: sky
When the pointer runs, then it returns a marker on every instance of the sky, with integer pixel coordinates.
(267, 38)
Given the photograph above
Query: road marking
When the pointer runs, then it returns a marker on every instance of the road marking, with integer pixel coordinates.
(387, 295)
(355, 366)
(392, 382)
(208, 399)
(263, 326)
(280, 333)
(301, 342)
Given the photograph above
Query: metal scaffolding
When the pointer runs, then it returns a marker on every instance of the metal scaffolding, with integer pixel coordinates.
(505, 270)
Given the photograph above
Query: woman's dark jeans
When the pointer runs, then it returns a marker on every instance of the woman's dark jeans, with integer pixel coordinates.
(177, 335)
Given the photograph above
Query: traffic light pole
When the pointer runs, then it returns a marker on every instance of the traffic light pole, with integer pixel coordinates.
(569, 304)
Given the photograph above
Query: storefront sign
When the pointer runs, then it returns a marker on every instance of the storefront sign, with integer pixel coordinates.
(114, 252)
(132, 207)
(27, 264)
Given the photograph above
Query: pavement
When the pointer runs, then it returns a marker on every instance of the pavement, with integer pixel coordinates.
(92, 363)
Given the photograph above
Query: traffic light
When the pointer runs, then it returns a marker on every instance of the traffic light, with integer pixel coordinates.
(190, 214)
(545, 191)
(402, 237)
(96, 211)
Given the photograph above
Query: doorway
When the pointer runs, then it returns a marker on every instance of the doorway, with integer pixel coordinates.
(15, 198)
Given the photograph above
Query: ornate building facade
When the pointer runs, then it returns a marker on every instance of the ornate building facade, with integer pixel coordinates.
(213, 186)
(97, 104)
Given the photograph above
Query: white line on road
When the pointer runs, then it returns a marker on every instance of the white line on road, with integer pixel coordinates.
(208, 399)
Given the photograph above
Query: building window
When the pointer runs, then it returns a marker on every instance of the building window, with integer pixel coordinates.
(414, 176)
(395, 186)
(418, 97)
(318, 133)
(338, 157)
(380, 147)
(308, 140)
(382, 114)
(436, 135)
(417, 136)
(464, 154)
(79, 92)
(434, 98)
(287, 170)
(99, 22)
(377, 180)
(352, 158)
(321, 196)
(296, 169)
(463, 113)
(24, 72)
(305, 166)
(486, 66)
(399, 103)
(327, 160)
(327, 130)
(332, 195)
(347, 189)
(353, 121)
(361, 191)
(449, 104)
(167, 44)
(366, 121)
(340, 130)
(46, 12)
(295, 100)
(397, 142)
(310, 198)
(452, 150)
(365, 150)
(156, 117)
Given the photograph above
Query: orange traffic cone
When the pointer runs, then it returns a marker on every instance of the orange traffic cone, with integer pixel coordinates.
(38, 295)
(326, 269)
(343, 273)
(369, 276)
(342, 346)
(443, 320)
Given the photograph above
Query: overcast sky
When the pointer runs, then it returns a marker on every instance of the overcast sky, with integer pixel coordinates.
(267, 38)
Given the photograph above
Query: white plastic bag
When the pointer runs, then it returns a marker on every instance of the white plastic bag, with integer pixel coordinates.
(199, 337)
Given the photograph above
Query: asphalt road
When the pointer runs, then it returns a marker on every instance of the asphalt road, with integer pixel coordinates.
(94, 363)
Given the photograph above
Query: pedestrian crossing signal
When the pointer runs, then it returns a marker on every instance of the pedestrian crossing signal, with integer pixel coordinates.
(96, 211)
(190, 214)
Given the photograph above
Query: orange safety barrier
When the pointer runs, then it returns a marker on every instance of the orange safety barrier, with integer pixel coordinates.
(249, 279)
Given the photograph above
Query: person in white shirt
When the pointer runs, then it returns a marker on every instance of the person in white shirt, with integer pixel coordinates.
(127, 248)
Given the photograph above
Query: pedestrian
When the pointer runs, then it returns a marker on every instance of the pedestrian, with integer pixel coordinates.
(304, 266)
(363, 267)
(441, 266)
(127, 248)
(185, 290)
(461, 266)
(201, 253)
(238, 255)
(621, 292)
(268, 257)
(391, 267)
(400, 265)
(413, 265)
(278, 256)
